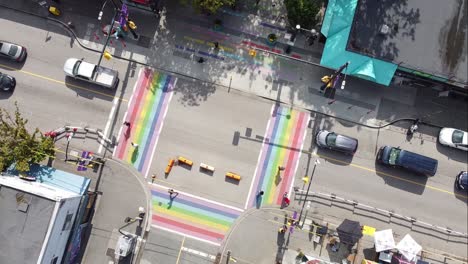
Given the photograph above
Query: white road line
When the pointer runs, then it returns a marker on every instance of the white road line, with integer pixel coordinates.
(126, 112)
(185, 235)
(314, 150)
(258, 160)
(106, 129)
(201, 198)
(200, 253)
(298, 157)
(160, 129)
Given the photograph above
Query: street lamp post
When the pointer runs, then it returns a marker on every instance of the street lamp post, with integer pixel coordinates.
(109, 33)
(317, 162)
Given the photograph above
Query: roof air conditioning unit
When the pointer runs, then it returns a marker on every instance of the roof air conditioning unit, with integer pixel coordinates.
(384, 29)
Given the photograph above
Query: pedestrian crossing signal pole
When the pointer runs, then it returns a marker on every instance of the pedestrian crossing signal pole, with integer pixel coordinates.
(317, 162)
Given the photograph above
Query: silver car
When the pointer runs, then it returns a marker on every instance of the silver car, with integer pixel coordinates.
(341, 143)
(12, 51)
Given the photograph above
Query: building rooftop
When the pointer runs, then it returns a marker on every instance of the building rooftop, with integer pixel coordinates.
(424, 35)
(24, 223)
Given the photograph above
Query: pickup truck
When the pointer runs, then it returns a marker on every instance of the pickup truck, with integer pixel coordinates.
(79, 69)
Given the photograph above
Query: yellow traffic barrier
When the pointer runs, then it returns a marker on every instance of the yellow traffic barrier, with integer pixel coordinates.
(169, 166)
(185, 161)
(233, 176)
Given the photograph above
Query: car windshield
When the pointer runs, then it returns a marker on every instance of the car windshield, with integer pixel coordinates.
(13, 50)
(331, 139)
(394, 153)
(457, 136)
(75, 67)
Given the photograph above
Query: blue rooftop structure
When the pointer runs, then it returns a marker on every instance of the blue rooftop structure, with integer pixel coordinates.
(336, 27)
(57, 178)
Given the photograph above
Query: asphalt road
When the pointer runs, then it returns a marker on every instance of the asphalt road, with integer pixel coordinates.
(204, 130)
(213, 129)
(46, 97)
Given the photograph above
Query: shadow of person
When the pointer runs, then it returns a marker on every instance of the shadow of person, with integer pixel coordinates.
(135, 154)
(278, 178)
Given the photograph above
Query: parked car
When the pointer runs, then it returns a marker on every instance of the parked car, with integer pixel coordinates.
(454, 138)
(7, 82)
(79, 69)
(414, 162)
(461, 181)
(12, 51)
(331, 140)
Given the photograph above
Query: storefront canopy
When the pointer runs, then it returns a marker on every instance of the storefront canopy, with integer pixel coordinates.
(336, 27)
(409, 248)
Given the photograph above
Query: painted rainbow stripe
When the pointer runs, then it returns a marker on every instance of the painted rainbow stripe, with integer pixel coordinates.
(283, 146)
(192, 216)
(146, 112)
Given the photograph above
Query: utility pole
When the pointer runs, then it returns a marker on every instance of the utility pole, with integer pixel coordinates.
(317, 162)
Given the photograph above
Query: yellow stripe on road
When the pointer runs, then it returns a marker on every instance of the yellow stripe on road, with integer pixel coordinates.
(61, 82)
(388, 175)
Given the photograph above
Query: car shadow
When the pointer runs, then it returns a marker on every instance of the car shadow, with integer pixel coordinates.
(452, 153)
(402, 179)
(9, 65)
(335, 157)
(460, 194)
(90, 90)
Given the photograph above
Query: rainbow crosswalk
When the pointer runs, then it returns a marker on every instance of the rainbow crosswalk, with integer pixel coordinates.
(192, 216)
(284, 136)
(146, 112)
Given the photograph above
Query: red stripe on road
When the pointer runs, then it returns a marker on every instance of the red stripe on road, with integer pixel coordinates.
(194, 229)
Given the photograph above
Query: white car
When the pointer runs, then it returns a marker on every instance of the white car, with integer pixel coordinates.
(12, 51)
(454, 138)
(80, 69)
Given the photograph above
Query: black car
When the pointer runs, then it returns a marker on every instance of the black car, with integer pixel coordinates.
(7, 83)
(461, 182)
(331, 140)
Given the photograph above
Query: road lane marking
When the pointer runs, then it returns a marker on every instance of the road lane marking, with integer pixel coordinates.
(62, 82)
(199, 253)
(387, 175)
(180, 251)
(106, 129)
(258, 160)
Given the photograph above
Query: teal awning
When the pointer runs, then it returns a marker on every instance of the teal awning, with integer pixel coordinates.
(336, 27)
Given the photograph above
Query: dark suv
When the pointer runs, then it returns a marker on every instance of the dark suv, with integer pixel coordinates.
(331, 140)
(461, 182)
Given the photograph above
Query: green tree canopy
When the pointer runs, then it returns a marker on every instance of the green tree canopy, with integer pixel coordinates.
(19, 146)
(211, 6)
(303, 12)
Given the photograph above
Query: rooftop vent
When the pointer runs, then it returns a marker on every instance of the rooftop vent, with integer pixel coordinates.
(384, 29)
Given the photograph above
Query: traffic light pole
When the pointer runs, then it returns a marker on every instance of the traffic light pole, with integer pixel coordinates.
(109, 33)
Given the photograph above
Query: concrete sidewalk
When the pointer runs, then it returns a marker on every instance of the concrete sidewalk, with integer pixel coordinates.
(255, 238)
(183, 36)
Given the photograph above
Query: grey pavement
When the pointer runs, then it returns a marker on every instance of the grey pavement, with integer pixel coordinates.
(255, 237)
(183, 36)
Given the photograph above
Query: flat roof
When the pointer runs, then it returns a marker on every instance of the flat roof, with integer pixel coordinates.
(424, 35)
(25, 220)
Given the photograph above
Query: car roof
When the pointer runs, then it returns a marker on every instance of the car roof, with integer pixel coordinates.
(345, 142)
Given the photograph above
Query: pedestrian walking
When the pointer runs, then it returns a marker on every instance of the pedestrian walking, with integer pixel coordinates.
(172, 193)
(153, 177)
(135, 145)
(201, 60)
(260, 193)
(281, 168)
(126, 123)
(283, 229)
(286, 200)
